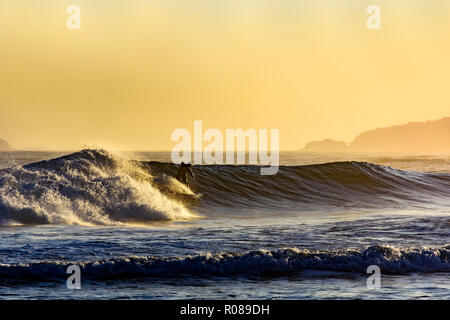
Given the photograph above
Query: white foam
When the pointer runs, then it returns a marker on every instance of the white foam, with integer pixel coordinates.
(92, 187)
(258, 262)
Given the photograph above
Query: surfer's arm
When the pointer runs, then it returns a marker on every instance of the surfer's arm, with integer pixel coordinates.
(191, 173)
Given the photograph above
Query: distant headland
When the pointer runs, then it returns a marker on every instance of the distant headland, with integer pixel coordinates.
(326, 145)
(4, 146)
(431, 136)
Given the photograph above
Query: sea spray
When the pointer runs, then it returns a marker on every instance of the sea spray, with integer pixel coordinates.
(90, 187)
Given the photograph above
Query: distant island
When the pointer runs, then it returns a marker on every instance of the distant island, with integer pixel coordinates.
(431, 136)
(326, 145)
(4, 146)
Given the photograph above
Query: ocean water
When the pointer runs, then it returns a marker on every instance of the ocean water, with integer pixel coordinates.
(309, 232)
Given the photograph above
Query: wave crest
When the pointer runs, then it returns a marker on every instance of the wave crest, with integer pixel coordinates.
(391, 260)
(330, 185)
(96, 187)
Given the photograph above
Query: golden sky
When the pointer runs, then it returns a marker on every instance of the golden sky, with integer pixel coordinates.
(139, 69)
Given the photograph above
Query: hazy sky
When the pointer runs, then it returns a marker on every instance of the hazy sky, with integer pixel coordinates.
(137, 70)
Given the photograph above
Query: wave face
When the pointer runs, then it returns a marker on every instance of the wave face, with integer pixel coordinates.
(323, 186)
(391, 260)
(95, 187)
(91, 187)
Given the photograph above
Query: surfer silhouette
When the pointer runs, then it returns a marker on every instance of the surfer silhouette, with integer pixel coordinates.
(184, 168)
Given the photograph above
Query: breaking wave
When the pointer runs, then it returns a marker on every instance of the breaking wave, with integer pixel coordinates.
(96, 187)
(391, 260)
(330, 185)
(90, 187)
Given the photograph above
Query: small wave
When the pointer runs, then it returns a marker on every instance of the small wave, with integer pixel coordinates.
(391, 260)
(90, 187)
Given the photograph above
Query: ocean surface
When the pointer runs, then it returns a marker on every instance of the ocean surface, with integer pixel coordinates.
(308, 232)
